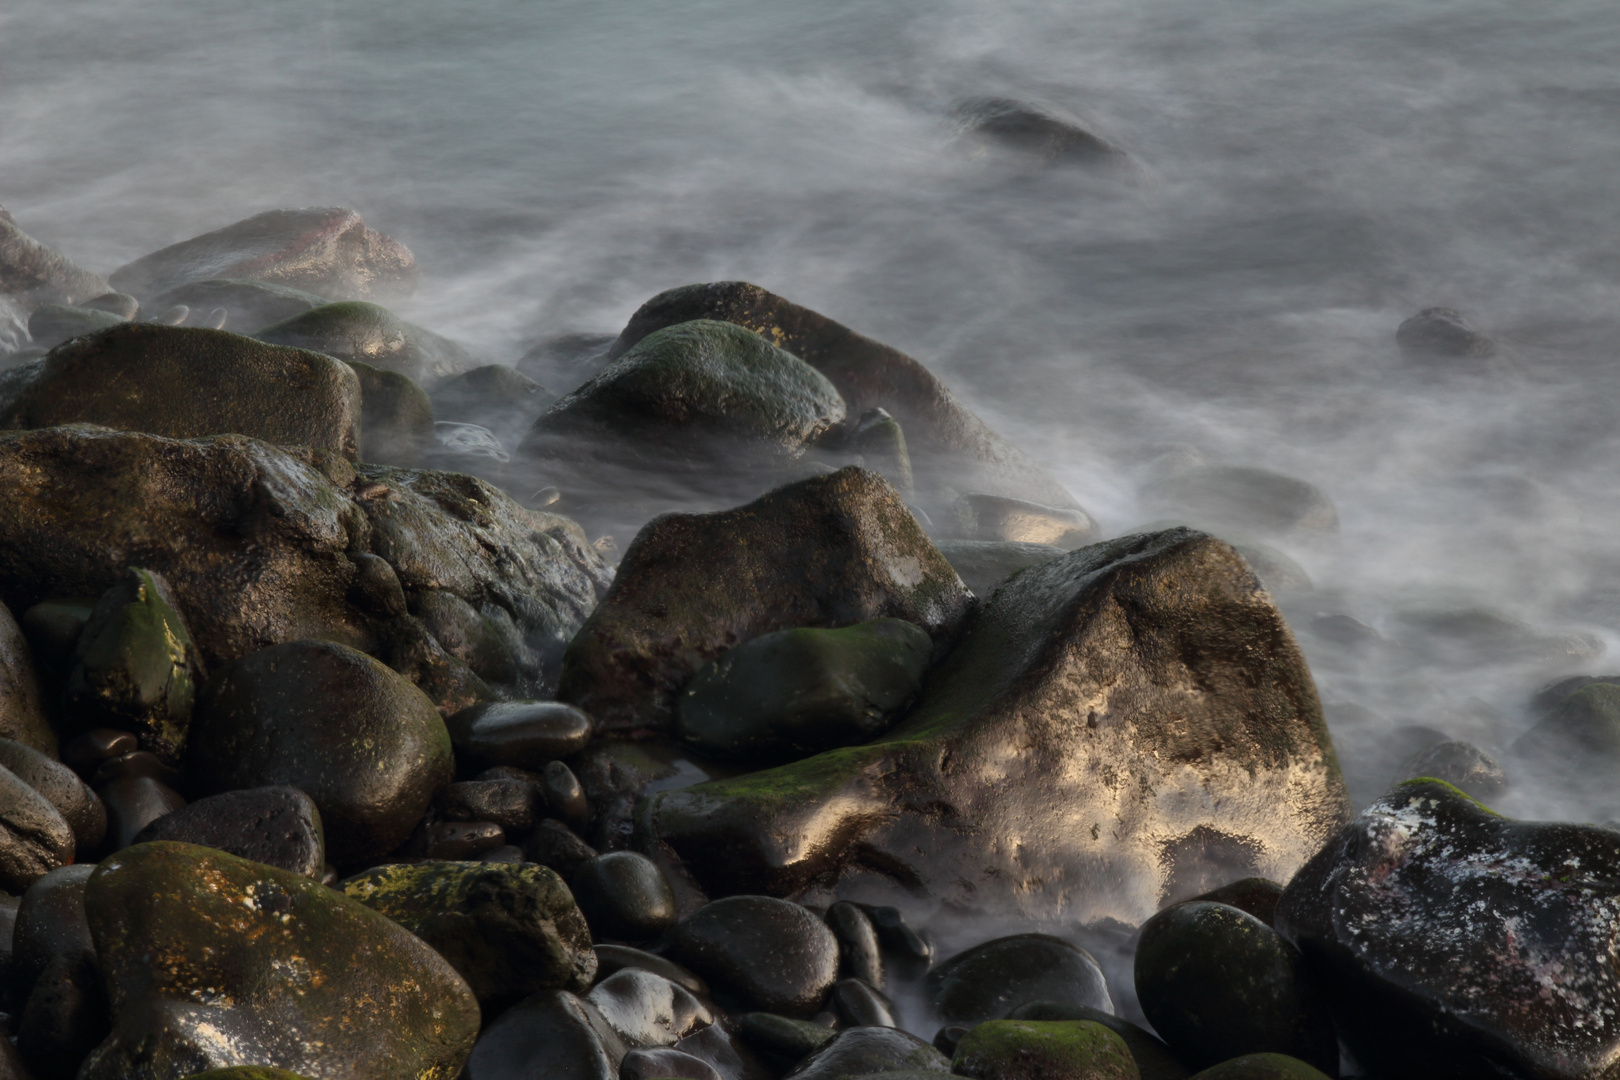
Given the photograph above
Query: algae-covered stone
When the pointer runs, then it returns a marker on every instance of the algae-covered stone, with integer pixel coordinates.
(863, 1051)
(1452, 942)
(793, 693)
(249, 305)
(359, 739)
(985, 564)
(1043, 1050)
(396, 417)
(354, 330)
(211, 961)
(136, 667)
(509, 929)
(1153, 1058)
(828, 551)
(990, 980)
(1267, 1067)
(22, 708)
(1217, 983)
(1126, 725)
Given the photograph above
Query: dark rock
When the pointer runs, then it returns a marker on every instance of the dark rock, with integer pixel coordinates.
(772, 955)
(999, 518)
(184, 382)
(77, 804)
(1043, 1050)
(1246, 499)
(988, 981)
(133, 803)
(527, 734)
(34, 838)
(728, 1055)
(792, 693)
(486, 641)
(1153, 1059)
(277, 826)
(249, 1072)
(372, 335)
(1157, 661)
(297, 975)
(1261, 1067)
(1553, 694)
(86, 753)
(782, 1037)
(912, 950)
(1439, 333)
(665, 1063)
(859, 955)
(52, 324)
(566, 359)
(376, 588)
(324, 250)
(65, 1017)
(51, 920)
(135, 666)
(1452, 942)
(496, 396)
(396, 417)
(1217, 983)
(611, 959)
(249, 306)
(1257, 896)
(624, 895)
(645, 1009)
(359, 739)
(555, 845)
(509, 930)
(551, 1034)
(948, 445)
(452, 841)
(120, 304)
(22, 709)
(1469, 636)
(946, 1038)
(985, 564)
(829, 551)
(1580, 734)
(53, 628)
(858, 1004)
(1460, 764)
(509, 854)
(862, 1051)
(881, 443)
(514, 805)
(37, 274)
(565, 795)
(136, 763)
(1043, 133)
(11, 1063)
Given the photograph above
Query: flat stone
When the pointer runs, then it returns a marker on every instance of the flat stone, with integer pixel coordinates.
(277, 826)
(773, 955)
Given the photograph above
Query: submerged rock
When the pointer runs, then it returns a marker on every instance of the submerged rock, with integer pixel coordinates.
(325, 250)
(1130, 724)
(500, 398)
(212, 961)
(1461, 764)
(1044, 133)
(828, 551)
(1452, 942)
(1439, 333)
(353, 330)
(52, 324)
(396, 417)
(1247, 499)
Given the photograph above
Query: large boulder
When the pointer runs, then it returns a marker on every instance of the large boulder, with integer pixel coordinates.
(327, 250)
(829, 551)
(212, 961)
(1127, 725)
(354, 330)
(184, 382)
(1452, 942)
(262, 545)
(949, 447)
(36, 274)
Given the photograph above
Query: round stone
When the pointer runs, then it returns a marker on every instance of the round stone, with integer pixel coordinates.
(773, 955)
(624, 895)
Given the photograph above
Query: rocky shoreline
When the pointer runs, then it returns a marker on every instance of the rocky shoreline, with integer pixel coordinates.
(750, 710)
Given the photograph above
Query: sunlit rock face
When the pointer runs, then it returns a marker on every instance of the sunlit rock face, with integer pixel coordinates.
(1123, 726)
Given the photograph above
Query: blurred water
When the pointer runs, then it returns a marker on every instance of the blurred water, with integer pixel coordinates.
(1310, 174)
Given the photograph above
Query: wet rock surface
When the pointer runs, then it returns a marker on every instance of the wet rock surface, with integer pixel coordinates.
(277, 826)
(991, 980)
(356, 331)
(22, 708)
(985, 564)
(770, 954)
(72, 798)
(550, 1033)
(34, 837)
(1043, 1050)
(624, 895)
(864, 1051)
(524, 734)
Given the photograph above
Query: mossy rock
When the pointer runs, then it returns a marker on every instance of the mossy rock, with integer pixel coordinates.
(1263, 1067)
(1153, 1058)
(396, 417)
(1043, 1050)
(210, 961)
(356, 330)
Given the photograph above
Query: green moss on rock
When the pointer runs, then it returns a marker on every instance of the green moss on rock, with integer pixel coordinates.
(1043, 1050)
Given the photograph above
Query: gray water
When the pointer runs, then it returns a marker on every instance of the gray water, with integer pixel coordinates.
(1308, 175)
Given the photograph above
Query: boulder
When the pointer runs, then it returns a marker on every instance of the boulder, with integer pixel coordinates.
(770, 954)
(1127, 725)
(549, 1034)
(1043, 1050)
(494, 396)
(1042, 133)
(1249, 500)
(947, 445)
(354, 330)
(1460, 764)
(865, 1051)
(34, 837)
(828, 552)
(985, 564)
(249, 306)
(277, 826)
(211, 961)
(1439, 333)
(326, 250)
(510, 930)
(999, 518)
(990, 980)
(184, 382)
(36, 274)
(359, 739)
(396, 417)
(1452, 942)
(22, 707)
(262, 545)
(71, 796)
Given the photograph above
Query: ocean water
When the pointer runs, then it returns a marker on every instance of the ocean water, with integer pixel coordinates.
(1306, 175)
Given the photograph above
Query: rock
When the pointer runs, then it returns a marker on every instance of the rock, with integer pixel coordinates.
(863, 1051)
(249, 306)
(324, 250)
(455, 841)
(51, 920)
(1257, 896)
(133, 803)
(1261, 1067)
(396, 417)
(1043, 1050)
(36, 274)
(256, 544)
(645, 1009)
(120, 304)
(85, 754)
(859, 1004)
(1217, 983)
(495, 396)
(1155, 661)
(552, 1033)
(1439, 333)
(14, 330)
(859, 956)
(514, 805)
(782, 1037)
(991, 980)
(248, 1072)
(1153, 1059)
(359, 739)
(772, 955)
(881, 443)
(1580, 734)
(183, 382)
(77, 804)
(136, 763)
(1040, 132)
(911, 950)
(356, 331)
(22, 708)
(298, 976)
(527, 734)
(565, 795)
(985, 564)
(277, 826)
(52, 324)
(624, 895)
(1246, 499)
(1470, 636)
(1451, 941)
(53, 628)
(793, 693)
(509, 930)
(555, 845)
(136, 667)
(998, 518)
(665, 1062)
(829, 551)
(948, 446)
(1460, 764)
(34, 838)
(65, 1017)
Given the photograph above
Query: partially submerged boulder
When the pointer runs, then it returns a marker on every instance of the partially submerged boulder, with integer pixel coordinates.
(354, 330)
(326, 250)
(829, 551)
(396, 417)
(1126, 725)
(1046, 134)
